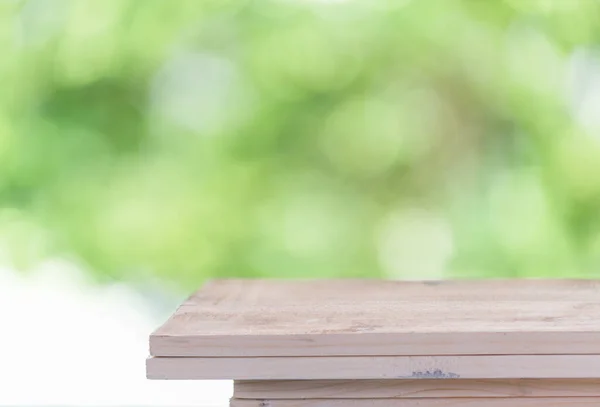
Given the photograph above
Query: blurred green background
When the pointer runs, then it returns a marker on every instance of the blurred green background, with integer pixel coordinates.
(173, 141)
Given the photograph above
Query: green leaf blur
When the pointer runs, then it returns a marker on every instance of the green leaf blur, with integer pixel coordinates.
(190, 139)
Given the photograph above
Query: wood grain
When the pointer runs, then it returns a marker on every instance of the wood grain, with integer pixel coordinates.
(456, 402)
(377, 367)
(406, 388)
(372, 317)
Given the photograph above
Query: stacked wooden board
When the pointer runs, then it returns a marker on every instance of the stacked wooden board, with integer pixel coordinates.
(484, 343)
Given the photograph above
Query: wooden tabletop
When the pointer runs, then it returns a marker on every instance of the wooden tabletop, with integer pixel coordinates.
(259, 318)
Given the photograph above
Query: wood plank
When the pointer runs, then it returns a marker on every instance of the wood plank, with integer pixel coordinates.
(372, 317)
(377, 367)
(406, 388)
(456, 402)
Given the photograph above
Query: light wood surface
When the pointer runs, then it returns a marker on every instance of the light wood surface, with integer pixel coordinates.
(372, 317)
(374, 389)
(457, 402)
(377, 367)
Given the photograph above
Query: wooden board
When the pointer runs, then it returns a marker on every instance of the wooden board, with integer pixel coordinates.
(398, 388)
(372, 317)
(377, 367)
(457, 402)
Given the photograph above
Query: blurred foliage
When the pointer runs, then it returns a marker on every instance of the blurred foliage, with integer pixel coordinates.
(189, 139)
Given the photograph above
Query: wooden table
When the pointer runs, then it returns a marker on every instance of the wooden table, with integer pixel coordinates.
(488, 343)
